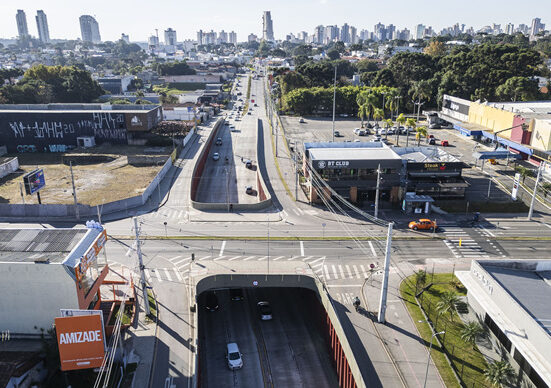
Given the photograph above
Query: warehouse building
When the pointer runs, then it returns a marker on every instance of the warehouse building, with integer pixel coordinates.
(512, 299)
(61, 127)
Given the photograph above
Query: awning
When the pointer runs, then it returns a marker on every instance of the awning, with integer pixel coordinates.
(466, 131)
(498, 154)
(412, 197)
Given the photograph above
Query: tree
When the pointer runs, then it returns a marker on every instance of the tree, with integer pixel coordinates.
(435, 49)
(378, 114)
(421, 132)
(421, 90)
(367, 65)
(362, 113)
(333, 54)
(174, 68)
(499, 372)
(410, 123)
(420, 279)
(524, 172)
(389, 123)
(470, 332)
(518, 87)
(448, 300)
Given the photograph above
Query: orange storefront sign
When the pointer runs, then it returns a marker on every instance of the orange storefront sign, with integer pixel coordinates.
(81, 342)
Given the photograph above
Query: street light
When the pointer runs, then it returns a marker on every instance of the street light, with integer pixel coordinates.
(334, 97)
(428, 361)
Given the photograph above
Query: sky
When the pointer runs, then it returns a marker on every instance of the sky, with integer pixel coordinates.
(140, 18)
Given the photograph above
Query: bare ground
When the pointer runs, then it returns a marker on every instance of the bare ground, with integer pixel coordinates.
(96, 183)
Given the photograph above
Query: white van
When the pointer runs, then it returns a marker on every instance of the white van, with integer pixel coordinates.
(234, 356)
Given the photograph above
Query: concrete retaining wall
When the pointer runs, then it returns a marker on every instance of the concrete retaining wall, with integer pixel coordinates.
(9, 166)
(200, 164)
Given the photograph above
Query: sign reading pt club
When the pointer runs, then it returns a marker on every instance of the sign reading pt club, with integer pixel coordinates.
(333, 164)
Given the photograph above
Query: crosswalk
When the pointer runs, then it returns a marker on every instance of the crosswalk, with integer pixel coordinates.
(344, 297)
(461, 244)
(299, 212)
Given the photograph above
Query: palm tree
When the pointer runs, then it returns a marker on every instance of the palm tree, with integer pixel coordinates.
(421, 90)
(499, 372)
(409, 123)
(373, 104)
(470, 332)
(447, 302)
(378, 114)
(389, 124)
(421, 132)
(420, 279)
(362, 112)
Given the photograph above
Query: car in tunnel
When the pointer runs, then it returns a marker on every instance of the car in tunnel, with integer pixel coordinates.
(264, 310)
(236, 294)
(233, 355)
(211, 301)
(216, 156)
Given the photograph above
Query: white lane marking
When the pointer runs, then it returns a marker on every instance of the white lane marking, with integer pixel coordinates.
(262, 258)
(285, 214)
(307, 258)
(326, 273)
(334, 271)
(204, 258)
(364, 273)
(131, 250)
(158, 275)
(181, 261)
(338, 297)
(348, 270)
(222, 248)
(218, 258)
(342, 272)
(372, 249)
(174, 258)
(315, 261)
(549, 226)
(278, 258)
(168, 275)
(302, 248)
(356, 271)
(234, 258)
(178, 275)
(147, 275)
(249, 258)
(343, 285)
(487, 231)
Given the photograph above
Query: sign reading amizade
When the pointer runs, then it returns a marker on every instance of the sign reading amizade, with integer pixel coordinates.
(81, 341)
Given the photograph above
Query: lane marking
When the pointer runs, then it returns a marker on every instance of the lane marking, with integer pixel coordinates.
(168, 275)
(487, 231)
(218, 258)
(372, 249)
(356, 271)
(234, 258)
(343, 285)
(178, 275)
(262, 258)
(204, 258)
(364, 273)
(315, 261)
(302, 248)
(222, 248)
(249, 258)
(278, 258)
(342, 272)
(158, 275)
(326, 273)
(147, 275)
(334, 271)
(348, 270)
(181, 261)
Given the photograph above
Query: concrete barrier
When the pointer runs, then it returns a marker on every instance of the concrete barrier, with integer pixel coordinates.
(9, 166)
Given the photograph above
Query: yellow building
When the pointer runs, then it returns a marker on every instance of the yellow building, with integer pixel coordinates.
(541, 135)
(492, 117)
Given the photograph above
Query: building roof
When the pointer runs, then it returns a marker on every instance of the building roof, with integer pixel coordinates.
(531, 289)
(76, 108)
(371, 153)
(425, 155)
(38, 245)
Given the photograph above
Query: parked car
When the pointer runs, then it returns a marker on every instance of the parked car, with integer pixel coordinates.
(432, 141)
(337, 134)
(216, 156)
(233, 355)
(444, 143)
(248, 163)
(301, 121)
(211, 301)
(423, 224)
(264, 311)
(236, 294)
(249, 112)
(434, 126)
(249, 190)
(219, 141)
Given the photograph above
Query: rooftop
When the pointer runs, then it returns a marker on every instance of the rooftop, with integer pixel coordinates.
(425, 155)
(370, 153)
(38, 245)
(75, 108)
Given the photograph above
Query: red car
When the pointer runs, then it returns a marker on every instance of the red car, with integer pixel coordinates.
(444, 143)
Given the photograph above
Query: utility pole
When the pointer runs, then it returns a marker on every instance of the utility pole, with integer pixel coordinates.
(21, 191)
(531, 211)
(77, 213)
(296, 177)
(384, 288)
(277, 134)
(377, 191)
(140, 260)
(489, 184)
(268, 247)
(334, 97)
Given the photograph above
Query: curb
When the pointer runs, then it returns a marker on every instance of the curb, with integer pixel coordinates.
(297, 238)
(152, 368)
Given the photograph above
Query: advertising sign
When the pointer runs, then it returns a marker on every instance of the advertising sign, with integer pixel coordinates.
(81, 342)
(516, 183)
(92, 254)
(34, 181)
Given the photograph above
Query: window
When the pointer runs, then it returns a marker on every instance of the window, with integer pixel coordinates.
(497, 332)
(527, 368)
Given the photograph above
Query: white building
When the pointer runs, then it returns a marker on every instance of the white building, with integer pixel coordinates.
(170, 37)
(21, 19)
(233, 37)
(42, 26)
(89, 29)
(267, 27)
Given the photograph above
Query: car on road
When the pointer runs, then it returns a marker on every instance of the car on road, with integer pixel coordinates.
(255, 104)
(264, 310)
(301, 121)
(248, 163)
(337, 134)
(434, 126)
(249, 190)
(211, 301)
(445, 143)
(423, 224)
(219, 141)
(216, 156)
(249, 112)
(233, 355)
(432, 141)
(232, 128)
(236, 294)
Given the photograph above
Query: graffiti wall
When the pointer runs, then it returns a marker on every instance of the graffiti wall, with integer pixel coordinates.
(58, 132)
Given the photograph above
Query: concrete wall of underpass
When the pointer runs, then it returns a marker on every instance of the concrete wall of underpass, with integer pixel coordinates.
(346, 367)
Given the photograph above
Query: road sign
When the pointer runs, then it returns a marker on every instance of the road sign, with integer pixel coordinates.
(516, 183)
(255, 283)
(34, 181)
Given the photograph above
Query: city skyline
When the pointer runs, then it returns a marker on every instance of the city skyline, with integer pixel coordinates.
(64, 19)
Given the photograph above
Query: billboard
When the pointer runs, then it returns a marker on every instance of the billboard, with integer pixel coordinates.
(92, 254)
(34, 181)
(81, 341)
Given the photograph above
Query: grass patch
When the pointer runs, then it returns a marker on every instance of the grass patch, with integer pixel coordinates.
(247, 102)
(152, 305)
(460, 206)
(126, 315)
(469, 364)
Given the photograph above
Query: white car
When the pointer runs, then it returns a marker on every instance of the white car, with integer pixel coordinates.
(233, 355)
(216, 156)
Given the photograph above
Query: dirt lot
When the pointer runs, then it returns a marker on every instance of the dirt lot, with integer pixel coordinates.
(101, 175)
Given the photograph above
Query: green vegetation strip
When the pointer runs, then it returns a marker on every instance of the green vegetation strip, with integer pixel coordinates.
(152, 305)
(467, 360)
(247, 102)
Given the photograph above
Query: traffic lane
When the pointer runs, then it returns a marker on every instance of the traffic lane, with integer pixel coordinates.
(245, 149)
(526, 249)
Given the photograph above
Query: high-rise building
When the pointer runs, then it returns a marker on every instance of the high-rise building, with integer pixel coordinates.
(523, 28)
(509, 28)
(200, 37)
(21, 19)
(330, 34)
(223, 37)
(125, 37)
(252, 38)
(353, 35)
(303, 36)
(267, 27)
(42, 26)
(153, 41)
(379, 32)
(537, 26)
(419, 32)
(345, 33)
(170, 37)
(233, 37)
(319, 34)
(89, 29)
(210, 37)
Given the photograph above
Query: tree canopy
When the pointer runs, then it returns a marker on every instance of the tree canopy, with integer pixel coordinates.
(174, 68)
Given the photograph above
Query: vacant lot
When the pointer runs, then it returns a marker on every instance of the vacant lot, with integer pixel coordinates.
(101, 175)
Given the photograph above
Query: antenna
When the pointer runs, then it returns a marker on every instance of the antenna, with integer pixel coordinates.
(157, 32)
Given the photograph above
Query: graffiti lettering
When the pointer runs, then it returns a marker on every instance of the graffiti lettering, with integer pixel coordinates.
(58, 148)
(107, 120)
(26, 148)
(112, 134)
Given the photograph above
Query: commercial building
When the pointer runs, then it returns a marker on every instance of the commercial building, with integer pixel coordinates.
(45, 270)
(170, 37)
(42, 26)
(61, 127)
(350, 169)
(116, 84)
(89, 29)
(267, 27)
(233, 37)
(21, 19)
(512, 298)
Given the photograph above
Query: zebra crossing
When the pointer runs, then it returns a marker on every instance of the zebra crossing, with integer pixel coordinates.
(299, 212)
(345, 297)
(461, 244)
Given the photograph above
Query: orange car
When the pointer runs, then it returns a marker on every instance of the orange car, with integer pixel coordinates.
(423, 224)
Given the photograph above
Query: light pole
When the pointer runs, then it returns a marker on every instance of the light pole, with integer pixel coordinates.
(377, 191)
(428, 361)
(334, 97)
(531, 211)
